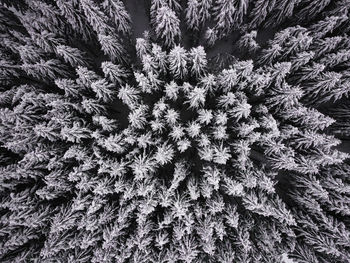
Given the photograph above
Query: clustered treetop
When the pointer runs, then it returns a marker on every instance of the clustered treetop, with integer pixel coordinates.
(116, 148)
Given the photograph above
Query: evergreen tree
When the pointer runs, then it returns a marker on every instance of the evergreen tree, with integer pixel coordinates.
(71, 55)
(193, 19)
(117, 12)
(111, 47)
(223, 12)
(167, 26)
(178, 62)
(260, 11)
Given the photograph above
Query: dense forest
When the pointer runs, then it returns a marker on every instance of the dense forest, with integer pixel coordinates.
(218, 134)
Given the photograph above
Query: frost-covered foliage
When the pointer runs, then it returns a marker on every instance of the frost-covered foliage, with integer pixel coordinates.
(121, 148)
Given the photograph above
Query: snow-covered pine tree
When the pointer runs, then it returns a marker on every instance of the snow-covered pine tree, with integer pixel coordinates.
(117, 12)
(167, 25)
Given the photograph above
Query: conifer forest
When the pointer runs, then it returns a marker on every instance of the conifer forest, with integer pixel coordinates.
(166, 131)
